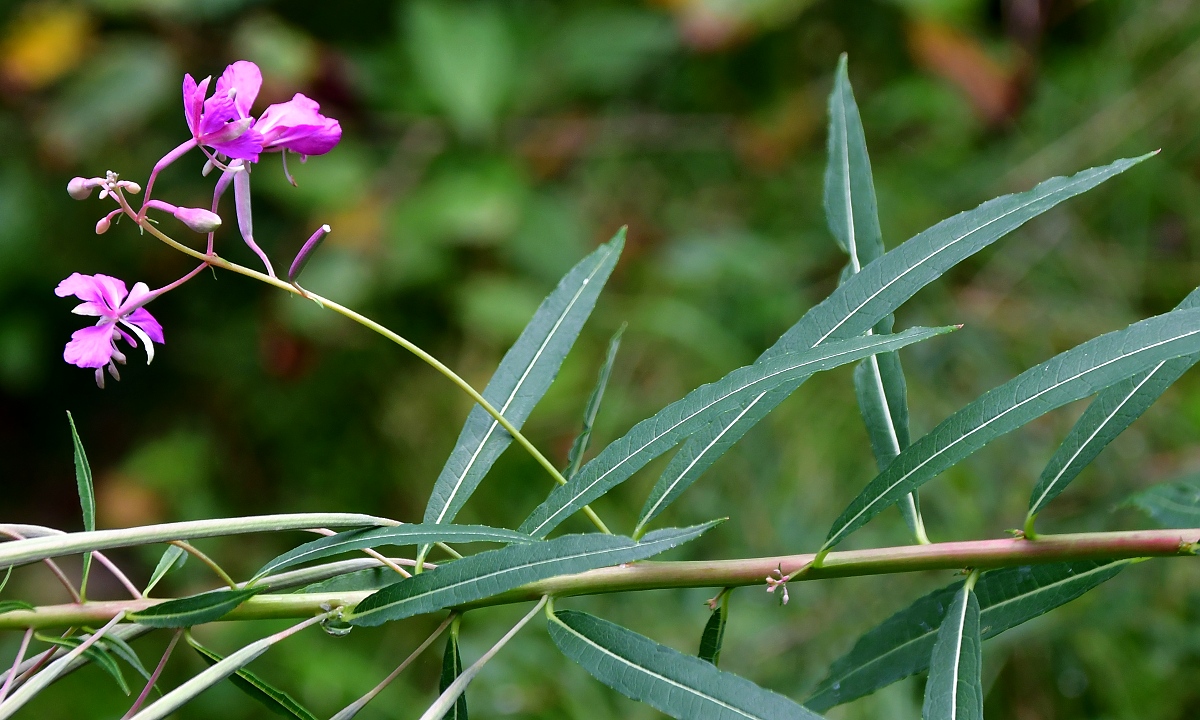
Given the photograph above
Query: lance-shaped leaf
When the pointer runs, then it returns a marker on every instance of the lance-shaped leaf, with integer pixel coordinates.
(118, 646)
(713, 636)
(489, 573)
(87, 496)
(679, 685)
(1067, 377)
(194, 610)
(867, 297)
(414, 534)
(901, 645)
(96, 653)
(52, 672)
(523, 377)
(1174, 504)
(272, 698)
(452, 667)
(172, 558)
(655, 435)
(1114, 409)
(955, 687)
(579, 447)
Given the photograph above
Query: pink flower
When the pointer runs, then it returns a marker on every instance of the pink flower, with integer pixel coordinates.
(222, 122)
(298, 125)
(107, 299)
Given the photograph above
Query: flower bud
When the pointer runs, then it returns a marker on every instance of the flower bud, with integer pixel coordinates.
(131, 186)
(80, 188)
(102, 225)
(306, 253)
(197, 219)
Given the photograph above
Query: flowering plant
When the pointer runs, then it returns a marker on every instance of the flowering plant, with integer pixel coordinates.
(1006, 581)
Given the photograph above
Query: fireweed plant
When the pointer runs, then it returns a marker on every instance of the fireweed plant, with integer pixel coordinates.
(1005, 581)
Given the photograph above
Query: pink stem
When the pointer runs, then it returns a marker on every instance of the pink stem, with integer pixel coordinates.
(162, 165)
(218, 191)
(241, 196)
(154, 676)
(54, 568)
(16, 664)
(120, 576)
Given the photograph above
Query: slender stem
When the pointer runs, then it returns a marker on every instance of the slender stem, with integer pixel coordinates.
(352, 709)
(154, 676)
(977, 554)
(370, 552)
(212, 564)
(54, 568)
(16, 664)
(27, 531)
(217, 261)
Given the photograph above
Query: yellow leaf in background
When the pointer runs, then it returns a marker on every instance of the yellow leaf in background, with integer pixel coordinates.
(43, 43)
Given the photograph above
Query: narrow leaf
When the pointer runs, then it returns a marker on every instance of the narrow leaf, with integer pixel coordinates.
(655, 435)
(275, 700)
(87, 496)
(194, 610)
(523, 377)
(452, 667)
(1114, 409)
(97, 654)
(714, 633)
(51, 672)
(1067, 377)
(11, 605)
(117, 645)
(1174, 504)
(866, 298)
(575, 456)
(850, 206)
(495, 571)
(414, 534)
(172, 558)
(902, 644)
(665, 679)
(955, 687)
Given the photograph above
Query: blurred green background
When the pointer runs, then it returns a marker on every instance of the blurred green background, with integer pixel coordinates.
(490, 145)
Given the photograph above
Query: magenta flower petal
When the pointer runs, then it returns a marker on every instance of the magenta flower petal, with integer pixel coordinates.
(90, 347)
(104, 292)
(146, 322)
(193, 101)
(299, 126)
(244, 79)
(218, 110)
(247, 146)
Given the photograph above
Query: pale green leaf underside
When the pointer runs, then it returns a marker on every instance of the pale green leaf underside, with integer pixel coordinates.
(489, 573)
(655, 435)
(679, 685)
(194, 610)
(408, 534)
(523, 377)
(955, 687)
(901, 645)
(1174, 504)
(869, 296)
(277, 701)
(1067, 377)
(1114, 409)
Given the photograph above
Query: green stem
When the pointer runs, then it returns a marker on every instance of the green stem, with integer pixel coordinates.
(978, 555)
(209, 562)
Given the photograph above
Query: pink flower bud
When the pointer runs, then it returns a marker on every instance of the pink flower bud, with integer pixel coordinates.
(102, 225)
(131, 186)
(198, 219)
(81, 188)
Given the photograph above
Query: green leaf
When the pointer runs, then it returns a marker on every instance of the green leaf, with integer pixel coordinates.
(523, 377)
(1174, 504)
(655, 435)
(495, 571)
(866, 298)
(194, 610)
(1067, 377)
(275, 700)
(902, 644)
(87, 496)
(117, 646)
(1114, 409)
(408, 534)
(372, 578)
(172, 558)
(7, 575)
(955, 687)
(452, 667)
(11, 605)
(575, 456)
(714, 632)
(96, 654)
(679, 685)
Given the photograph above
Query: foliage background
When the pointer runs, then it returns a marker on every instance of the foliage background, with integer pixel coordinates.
(488, 146)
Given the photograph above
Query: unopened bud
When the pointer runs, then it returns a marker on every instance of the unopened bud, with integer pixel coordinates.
(80, 188)
(208, 167)
(131, 186)
(197, 219)
(306, 253)
(102, 225)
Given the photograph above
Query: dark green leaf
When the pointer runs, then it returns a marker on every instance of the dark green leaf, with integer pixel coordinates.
(524, 376)
(714, 632)
(275, 700)
(10, 605)
(495, 571)
(866, 298)
(96, 653)
(452, 667)
(371, 578)
(575, 456)
(408, 534)
(655, 435)
(1174, 504)
(117, 646)
(87, 496)
(172, 558)
(1114, 409)
(679, 685)
(955, 687)
(194, 610)
(1066, 377)
(901, 645)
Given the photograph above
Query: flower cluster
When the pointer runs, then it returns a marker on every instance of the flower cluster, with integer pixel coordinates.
(223, 128)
